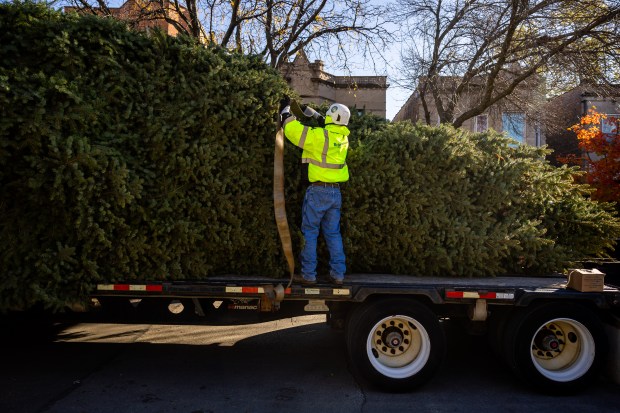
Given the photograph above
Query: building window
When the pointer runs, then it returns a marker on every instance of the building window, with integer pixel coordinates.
(537, 135)
(610, 125)
(513, 123)
(481, 123)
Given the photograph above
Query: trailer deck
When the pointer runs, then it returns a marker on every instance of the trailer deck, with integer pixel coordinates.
(513, 290)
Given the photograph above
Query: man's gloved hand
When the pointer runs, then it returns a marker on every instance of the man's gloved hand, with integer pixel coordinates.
(284, 103)
(285, 108)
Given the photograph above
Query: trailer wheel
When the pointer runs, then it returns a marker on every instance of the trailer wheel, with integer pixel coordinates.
(395, 344)
(557, 347)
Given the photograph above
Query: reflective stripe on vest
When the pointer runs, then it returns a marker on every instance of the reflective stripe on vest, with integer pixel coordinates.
(304, 135)
(324, 163)
(288, 120)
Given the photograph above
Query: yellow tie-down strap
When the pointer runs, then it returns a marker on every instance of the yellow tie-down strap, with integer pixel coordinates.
(279, 203)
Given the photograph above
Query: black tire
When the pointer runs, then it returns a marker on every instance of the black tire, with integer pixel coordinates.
(395, 344)
(557, 348)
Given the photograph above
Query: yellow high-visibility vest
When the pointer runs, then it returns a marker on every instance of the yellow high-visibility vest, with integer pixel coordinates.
(324, 149)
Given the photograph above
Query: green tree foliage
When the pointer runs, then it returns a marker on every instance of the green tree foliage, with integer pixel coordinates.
(440, 201)
(127, 156)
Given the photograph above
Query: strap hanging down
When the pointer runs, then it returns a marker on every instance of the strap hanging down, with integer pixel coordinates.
(279, 204)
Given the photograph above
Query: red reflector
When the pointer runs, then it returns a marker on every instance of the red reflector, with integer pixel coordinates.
(154, 288)
(121, 287)
(250, 290)
(471, 294)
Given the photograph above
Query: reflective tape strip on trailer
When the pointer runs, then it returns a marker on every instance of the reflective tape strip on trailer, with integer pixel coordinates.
(250, 290)
(341, 292)
(130, 287)
(480, 294)
(289, 291)
(247, 290)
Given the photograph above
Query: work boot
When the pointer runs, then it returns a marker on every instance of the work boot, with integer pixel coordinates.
(334, 280)
(304, 281)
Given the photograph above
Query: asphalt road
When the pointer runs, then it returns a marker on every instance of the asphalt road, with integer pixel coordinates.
(292, 365)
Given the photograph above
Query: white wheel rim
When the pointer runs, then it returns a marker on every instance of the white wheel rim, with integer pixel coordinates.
(562, 350)
(398, 346)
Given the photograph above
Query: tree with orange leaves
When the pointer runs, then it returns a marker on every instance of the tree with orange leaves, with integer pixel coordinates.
(601, 153)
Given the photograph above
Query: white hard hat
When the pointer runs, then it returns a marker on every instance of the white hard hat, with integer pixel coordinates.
(339, 113)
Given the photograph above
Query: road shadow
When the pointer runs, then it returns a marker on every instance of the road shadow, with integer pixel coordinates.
(299, 368)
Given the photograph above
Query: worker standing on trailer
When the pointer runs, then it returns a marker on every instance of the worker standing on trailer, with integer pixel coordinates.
(323, 170)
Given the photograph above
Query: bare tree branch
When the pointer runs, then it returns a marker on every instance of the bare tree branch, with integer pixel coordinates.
(492, 47)
(274, 29)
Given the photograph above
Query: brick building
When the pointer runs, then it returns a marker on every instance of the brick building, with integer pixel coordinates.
(367, 94)
(143, 15)
(518, 115)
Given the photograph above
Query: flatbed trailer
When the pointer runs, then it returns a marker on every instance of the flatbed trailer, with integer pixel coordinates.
(551, 336)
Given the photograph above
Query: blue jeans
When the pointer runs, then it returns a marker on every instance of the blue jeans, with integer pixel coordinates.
(321, 211)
